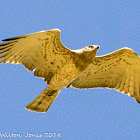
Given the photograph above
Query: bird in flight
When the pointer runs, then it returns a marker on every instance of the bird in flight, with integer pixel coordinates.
(44, 54)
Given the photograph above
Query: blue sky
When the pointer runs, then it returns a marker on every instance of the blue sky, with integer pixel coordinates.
(99, 114)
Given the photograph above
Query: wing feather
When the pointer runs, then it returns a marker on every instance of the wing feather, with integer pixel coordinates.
(119, 70)
(41, 52)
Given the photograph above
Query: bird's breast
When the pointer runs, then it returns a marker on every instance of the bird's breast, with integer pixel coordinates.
(65, 75)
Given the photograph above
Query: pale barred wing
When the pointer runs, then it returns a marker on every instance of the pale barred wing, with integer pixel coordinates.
(119, 70)
(41, 52)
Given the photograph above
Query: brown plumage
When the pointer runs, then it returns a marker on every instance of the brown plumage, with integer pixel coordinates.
(61, 67)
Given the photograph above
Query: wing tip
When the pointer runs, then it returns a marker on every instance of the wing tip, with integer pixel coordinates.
(13, 38)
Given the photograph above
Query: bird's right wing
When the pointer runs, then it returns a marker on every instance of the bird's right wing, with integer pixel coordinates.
(41, 52)
(119, 70)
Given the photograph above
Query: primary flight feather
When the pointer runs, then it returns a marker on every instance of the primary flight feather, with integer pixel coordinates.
(43, 53)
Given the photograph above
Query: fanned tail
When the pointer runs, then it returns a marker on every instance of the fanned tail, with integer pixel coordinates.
(43, 101)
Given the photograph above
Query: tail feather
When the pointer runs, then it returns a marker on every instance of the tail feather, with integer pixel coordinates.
(43, 101)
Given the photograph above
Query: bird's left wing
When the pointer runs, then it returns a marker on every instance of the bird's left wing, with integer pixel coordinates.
(41, 52)
(119, 70)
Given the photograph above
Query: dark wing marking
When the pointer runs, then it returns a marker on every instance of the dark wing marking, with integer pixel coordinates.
(42, 52)
(119, 70)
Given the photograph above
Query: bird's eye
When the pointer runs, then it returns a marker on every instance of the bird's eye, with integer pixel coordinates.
(90, 46)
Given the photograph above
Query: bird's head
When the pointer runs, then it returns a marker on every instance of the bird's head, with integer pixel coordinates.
(90, 51)
(84, 57)
(92, 48)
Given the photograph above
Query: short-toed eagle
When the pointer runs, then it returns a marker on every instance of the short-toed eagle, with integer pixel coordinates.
(43, 53)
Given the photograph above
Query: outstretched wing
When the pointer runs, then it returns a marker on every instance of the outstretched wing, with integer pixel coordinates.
(119, 70)
(41, 52)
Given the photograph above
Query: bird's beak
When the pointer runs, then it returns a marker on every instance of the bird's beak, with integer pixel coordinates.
(97, 46)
